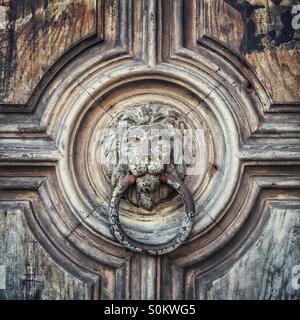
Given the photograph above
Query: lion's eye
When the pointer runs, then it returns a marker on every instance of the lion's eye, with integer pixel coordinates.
(134, 140)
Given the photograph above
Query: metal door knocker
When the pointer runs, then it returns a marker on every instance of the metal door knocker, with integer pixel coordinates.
(136, 246)
(145, 171)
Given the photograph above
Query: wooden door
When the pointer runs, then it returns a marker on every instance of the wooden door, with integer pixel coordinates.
(226, 71)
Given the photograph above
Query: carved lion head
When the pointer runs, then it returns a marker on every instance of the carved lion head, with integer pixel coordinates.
(142, 141)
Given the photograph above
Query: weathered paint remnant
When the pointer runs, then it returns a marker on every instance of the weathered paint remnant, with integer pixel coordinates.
(266, 26)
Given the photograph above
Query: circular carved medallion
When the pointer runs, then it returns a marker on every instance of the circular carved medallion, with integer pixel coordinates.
(150, 212)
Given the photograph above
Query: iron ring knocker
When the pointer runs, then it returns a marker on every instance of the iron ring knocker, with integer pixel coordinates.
(140, 247)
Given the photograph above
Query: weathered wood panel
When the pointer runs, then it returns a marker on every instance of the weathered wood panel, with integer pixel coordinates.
(263, 271)
(261, 32)
(27, 270)
(33, 35)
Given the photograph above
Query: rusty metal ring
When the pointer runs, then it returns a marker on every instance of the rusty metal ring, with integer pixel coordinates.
(140, 247)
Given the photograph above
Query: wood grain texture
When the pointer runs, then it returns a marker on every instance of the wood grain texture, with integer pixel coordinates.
(261, 33)
(279, 69)
(30, 274)
(34, 34)
(220, 20)
(264, 271)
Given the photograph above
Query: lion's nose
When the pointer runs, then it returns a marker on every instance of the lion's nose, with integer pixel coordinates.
(156, 168)
(138, 168)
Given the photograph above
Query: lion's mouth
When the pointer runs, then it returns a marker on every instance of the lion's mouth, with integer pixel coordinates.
(146, 190)
(147, 183)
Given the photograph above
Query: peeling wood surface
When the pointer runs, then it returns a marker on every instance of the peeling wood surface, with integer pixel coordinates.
(34, 34)
(261, 32)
